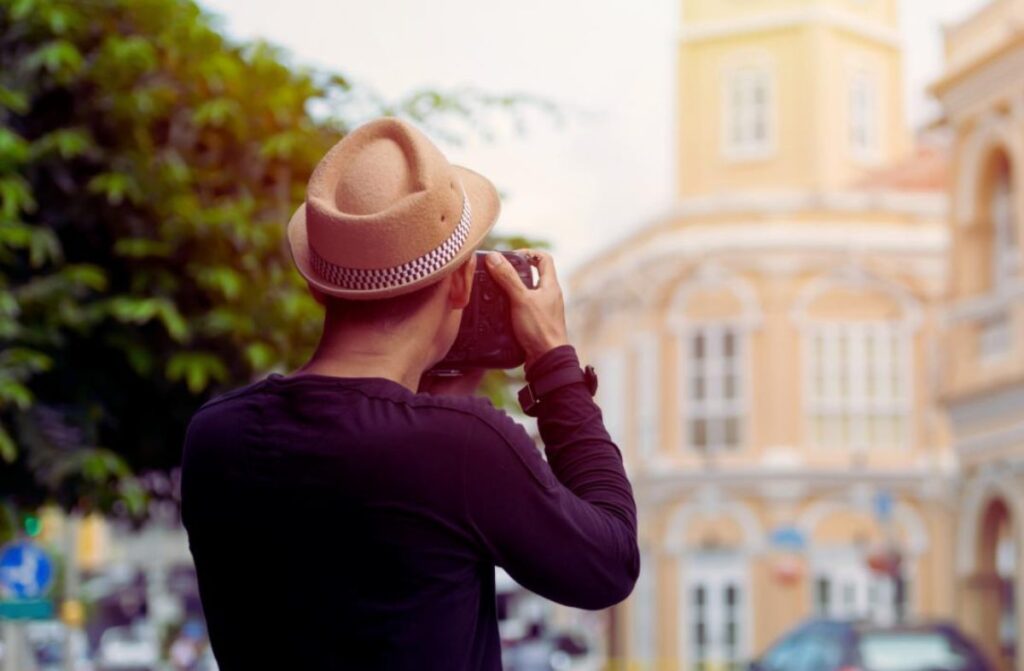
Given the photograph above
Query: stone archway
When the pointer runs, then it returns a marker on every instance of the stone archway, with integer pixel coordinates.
(713, 541)
(989, 597)
(841, 535)
(989, 534)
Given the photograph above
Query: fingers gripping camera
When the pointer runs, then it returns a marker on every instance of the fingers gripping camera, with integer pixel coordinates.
(486, 338)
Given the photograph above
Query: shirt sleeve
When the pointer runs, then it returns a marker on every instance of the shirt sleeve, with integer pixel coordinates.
(566, 528)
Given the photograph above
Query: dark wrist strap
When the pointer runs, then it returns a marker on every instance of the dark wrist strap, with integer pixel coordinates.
(533, 393)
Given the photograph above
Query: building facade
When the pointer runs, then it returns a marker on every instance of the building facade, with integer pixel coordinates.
(768, 348)
(982, 95)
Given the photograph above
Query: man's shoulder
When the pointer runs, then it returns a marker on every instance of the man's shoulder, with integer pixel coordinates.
(220, 413)
(499, 438)
(231, 394)
(477, 408)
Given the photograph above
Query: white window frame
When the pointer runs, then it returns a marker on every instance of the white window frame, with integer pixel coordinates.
(646, 395)
(864, 111)
(714, 408)
(740, 84)
(855, 592)
(714, 571)
(840, 388)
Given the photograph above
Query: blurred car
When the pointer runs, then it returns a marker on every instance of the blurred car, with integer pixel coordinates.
(131, 648)
(49, 641)
(565, 651)
(830, 645)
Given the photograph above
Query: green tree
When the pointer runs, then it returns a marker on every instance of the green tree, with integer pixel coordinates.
(147, 167)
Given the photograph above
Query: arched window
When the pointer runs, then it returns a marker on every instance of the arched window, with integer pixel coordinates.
(715, 386)
(1002, 218)
(859, 396)
(714, 315)
(858, 362)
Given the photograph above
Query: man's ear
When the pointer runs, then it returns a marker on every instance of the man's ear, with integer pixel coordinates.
(462, 284)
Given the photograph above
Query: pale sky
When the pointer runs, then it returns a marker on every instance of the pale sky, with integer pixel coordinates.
(609, 169)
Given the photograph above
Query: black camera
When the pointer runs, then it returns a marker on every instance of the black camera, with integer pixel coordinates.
(485, 338)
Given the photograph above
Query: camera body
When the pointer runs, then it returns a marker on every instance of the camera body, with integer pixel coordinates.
(485, 338)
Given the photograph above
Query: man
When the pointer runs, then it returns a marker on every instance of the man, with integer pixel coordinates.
(340, 518)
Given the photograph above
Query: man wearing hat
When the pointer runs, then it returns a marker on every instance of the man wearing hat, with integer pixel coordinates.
(340, 517)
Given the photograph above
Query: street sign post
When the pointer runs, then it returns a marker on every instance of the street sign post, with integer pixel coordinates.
(26, 572)
(26, 609)
(883, 506)
(787, 537)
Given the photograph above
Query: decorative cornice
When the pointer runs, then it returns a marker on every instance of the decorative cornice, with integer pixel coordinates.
(972, 82)
(653, 488)
(932, 205)
(704, 31)
(694, 242)
(708, 31)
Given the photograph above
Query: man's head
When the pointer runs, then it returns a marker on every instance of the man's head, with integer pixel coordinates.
(386, 236)
(430, 315)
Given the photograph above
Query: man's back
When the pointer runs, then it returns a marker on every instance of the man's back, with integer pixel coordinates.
(347, 523)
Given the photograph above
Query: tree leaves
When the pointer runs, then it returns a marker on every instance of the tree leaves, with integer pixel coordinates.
(15, 196)
(66, 143)
(197, 369)
(60, 58)
(148, 167)
(14, 150)
(134, 310)
(219, 112)
(116, 187)
(8, 450)
(15, 101)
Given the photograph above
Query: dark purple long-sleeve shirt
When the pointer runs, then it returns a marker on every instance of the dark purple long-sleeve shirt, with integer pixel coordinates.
(349, 523)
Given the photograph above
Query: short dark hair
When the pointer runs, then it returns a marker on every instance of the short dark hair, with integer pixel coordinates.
(385, 311)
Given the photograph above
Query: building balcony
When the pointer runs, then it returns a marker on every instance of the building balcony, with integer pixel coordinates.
(984, 350)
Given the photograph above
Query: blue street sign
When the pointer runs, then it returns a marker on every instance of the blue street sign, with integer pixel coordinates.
(25, 571)
(883, 505)
(787, 538)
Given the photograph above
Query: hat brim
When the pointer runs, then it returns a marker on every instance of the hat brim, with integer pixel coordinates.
(485, 204)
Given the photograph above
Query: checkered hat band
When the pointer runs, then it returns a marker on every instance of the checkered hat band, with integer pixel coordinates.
(370, 279)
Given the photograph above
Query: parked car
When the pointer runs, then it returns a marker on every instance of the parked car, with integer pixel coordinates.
(128, 648)
(831, 645)
(48, 640)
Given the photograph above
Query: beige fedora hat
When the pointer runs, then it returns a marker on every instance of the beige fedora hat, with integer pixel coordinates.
(386, 214)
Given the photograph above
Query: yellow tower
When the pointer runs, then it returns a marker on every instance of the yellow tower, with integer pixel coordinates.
(787, 94)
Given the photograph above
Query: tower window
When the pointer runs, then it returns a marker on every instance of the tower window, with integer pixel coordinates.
(748, 104)
(864, 110)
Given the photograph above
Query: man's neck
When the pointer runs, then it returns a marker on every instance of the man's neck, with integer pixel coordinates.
(394, 355)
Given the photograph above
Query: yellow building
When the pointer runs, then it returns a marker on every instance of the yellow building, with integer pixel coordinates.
(982, 95)
(768, 347)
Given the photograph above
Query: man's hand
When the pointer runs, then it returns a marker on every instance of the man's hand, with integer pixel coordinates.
(538, 315)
